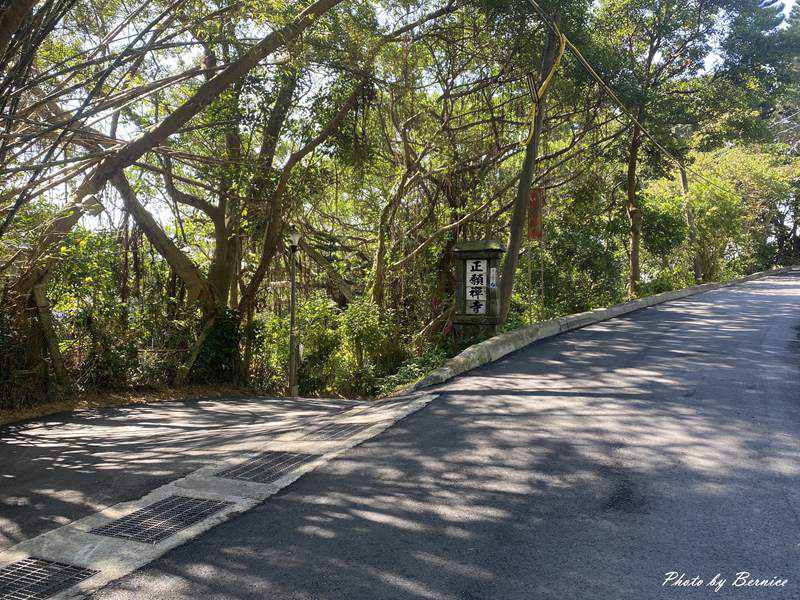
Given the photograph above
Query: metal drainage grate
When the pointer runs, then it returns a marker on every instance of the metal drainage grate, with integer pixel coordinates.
(161, 519)
(339, 431)
(267, 467)
(34, 578)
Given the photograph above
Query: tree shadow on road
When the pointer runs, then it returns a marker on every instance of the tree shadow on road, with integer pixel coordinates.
(64, 467)
(585, 466)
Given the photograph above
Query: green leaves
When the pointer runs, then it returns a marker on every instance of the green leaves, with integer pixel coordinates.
(218, 360)
(742, 211)
(434, 137)
(345, 352)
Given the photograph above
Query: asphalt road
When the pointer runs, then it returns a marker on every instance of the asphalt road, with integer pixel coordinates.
(585, 466)
(67, 466)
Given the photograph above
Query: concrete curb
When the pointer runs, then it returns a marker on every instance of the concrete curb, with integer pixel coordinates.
(499, 346)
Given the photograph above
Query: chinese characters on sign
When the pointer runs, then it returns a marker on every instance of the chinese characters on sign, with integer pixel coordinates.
(477, 278)
(475, 275)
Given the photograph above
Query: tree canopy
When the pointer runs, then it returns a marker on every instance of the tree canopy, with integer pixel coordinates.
(154, 156)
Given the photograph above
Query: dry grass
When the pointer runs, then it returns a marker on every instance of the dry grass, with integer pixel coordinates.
(100, 399)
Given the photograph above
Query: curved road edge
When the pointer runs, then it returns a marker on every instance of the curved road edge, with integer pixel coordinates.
(503, 344)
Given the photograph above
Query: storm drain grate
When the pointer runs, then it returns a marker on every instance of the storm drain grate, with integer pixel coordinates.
(267, 467)
(161, 519)
(34, 578)
(339, 431)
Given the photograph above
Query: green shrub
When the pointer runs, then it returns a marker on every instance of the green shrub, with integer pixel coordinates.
(372, 347)
(105, 358)
(412, 370)
(318, 321)
(218, 360)
(270, 360)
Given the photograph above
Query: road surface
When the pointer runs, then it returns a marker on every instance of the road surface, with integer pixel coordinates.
(70, 465)
(589, 465)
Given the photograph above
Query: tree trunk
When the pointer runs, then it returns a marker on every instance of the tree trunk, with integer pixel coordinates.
(634, 213)
(11, 17)
(278, 205)
(689, 212)
(220, 273)
(522, 198)
(445, 279)
(379, 262)
(125, 290)
(273, 126)
(344, 288)
(215, 357)
(85, 197)
(198, 286)
(51, 339)
(183, 373)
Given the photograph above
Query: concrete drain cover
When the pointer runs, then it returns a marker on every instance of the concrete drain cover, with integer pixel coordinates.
(267, 467)
(339, 431)
(161, 519)
(34, 578)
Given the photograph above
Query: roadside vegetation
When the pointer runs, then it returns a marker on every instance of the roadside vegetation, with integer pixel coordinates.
(154, 156)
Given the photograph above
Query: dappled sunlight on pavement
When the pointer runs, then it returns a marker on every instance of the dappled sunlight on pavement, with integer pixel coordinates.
(64, 467)
(585, 466)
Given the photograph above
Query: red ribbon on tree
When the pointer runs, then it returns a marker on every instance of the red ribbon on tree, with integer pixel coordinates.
(535, 213)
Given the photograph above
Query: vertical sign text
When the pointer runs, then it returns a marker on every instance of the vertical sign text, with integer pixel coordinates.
(475, 286)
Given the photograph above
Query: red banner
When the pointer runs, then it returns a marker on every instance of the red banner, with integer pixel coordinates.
(535, 213)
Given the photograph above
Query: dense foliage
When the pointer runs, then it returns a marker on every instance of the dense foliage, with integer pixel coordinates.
(154, 157)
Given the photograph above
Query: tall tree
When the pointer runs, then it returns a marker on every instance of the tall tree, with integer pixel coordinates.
(654, 46)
